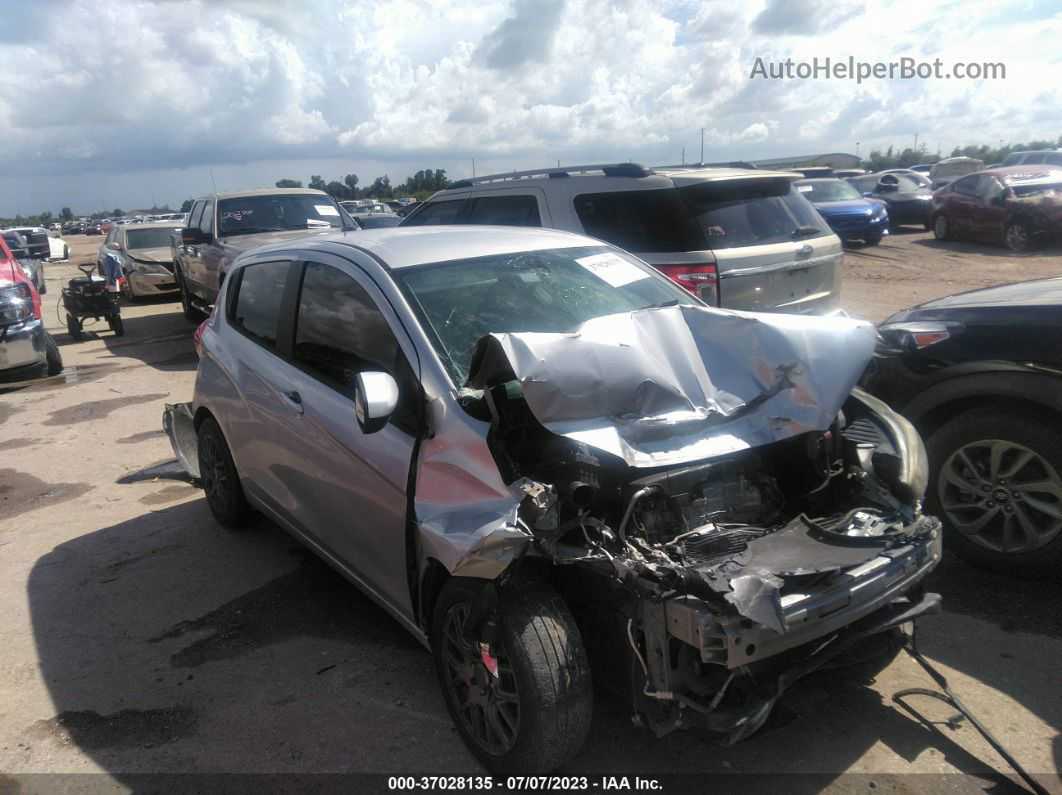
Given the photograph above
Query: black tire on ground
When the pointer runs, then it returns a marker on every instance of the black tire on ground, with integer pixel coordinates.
(867, 658)
(1018, 236)
(978, 434)
(220, 480)
(542, 663)
(115, 323)
(941, 227)
(73, 326)
(873, 239)
(52, 356)
(42, 285)
(190, 312)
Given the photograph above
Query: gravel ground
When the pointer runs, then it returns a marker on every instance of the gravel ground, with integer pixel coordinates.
(137, 636)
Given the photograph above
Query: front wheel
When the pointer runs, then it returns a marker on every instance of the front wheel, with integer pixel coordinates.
(73, 326)
(874, 238)
(52, 355)
(535, 713)
(996, 482)
(115, 322)
(1018, 236)
(221, 482)
(190, 312)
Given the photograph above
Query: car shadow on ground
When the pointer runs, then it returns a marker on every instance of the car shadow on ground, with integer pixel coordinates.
(162, 341)
(171, 645)
(984, 249)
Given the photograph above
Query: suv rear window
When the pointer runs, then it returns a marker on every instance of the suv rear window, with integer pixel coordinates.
(504, 211)
(752, 213)
(640, 221)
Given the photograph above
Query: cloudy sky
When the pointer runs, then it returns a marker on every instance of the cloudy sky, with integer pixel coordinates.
(107, 103)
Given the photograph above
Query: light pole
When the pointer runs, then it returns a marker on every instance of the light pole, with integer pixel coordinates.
(702, 145)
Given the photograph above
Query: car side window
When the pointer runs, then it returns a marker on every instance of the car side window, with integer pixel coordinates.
(440, 212)
(1053, 158)
(206, 222)
(195, 215)
(505, 211)
(989, 189)
(260, 291)
(340, 332)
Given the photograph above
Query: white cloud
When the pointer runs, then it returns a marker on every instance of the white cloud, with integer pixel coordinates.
(508, 82)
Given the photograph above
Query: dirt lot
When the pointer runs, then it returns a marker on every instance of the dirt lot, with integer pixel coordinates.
(137, 636)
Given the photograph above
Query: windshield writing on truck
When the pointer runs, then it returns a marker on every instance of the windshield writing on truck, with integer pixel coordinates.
(246, 215)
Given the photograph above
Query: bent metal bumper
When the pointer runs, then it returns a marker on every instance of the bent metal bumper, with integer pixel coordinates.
(733, 641)
(179, 424)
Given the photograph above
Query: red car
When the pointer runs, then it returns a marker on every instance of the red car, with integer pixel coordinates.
(1019, 206)
(26, 349)
(93, 228)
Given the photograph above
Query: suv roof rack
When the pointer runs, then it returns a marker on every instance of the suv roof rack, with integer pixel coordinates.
(727, 164)
(608, 169)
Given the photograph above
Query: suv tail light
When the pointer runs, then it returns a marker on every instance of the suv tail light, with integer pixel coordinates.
(701, 279)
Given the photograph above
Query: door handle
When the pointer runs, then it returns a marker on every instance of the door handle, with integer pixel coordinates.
(294, 401)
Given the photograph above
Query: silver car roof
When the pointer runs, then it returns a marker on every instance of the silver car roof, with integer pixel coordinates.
(401, 247)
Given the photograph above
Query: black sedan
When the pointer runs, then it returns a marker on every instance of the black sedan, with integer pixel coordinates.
(980, 375)
(909, 201)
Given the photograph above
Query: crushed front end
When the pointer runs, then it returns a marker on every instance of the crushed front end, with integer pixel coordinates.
(706, 586)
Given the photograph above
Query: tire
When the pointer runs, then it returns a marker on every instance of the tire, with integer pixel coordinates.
(42, 285)
(115, 323)
(990, 516)
(873, 240)
(941, 227)
(220, 480)
(543, 667)
(52, 356)
(1018, 236)
(73, 326)
(190, 312)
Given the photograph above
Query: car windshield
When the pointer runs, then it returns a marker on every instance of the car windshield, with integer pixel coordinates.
(277, 212)
(827, 190)
(152, 237)
(1037, 188)
(553, 290)
(752, 213)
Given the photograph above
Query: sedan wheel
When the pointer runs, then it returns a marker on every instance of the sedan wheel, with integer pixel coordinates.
(1017, 237)
(998, 488)
(941, 228)
(219, 478)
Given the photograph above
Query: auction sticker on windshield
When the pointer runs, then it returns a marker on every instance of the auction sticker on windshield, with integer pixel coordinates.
(325, 209)
(613, 270)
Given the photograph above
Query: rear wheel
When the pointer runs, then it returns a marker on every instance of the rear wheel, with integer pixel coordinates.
(220, 480)
(996, 482)
(535, 714)
(941, 227)
(52, 356)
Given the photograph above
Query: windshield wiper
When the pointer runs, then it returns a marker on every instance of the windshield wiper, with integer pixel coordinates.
(805, 231)
(662, 304)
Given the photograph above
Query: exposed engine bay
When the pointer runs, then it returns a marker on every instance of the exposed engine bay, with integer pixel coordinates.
(715, 571)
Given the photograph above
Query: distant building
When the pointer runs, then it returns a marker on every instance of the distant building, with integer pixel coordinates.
(831, 159)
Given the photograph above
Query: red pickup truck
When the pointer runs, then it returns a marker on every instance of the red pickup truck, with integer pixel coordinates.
(26, 349)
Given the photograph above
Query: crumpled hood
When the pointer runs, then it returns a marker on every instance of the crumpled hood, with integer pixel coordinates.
(678, 384)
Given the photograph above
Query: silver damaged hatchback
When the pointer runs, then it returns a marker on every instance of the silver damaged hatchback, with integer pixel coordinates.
(552, 465)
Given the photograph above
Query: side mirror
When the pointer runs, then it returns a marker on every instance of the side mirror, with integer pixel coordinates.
(375, 399)
(113, 246)
(193, 236)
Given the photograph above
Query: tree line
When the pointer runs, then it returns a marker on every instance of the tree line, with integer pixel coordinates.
(419, 186)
